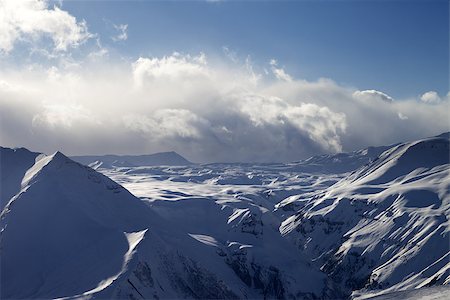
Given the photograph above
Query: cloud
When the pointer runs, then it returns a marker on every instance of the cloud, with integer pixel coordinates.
(99, 52)
(122, 32)
(430, 97)
(320, 123)
(167, 123)
(232, 55)
(173, 67)
(402, 116)
(206, 110)
(33, 20)
(279, 73)
(370, 95)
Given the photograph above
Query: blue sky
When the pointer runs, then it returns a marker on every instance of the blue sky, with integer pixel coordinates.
(399, 47)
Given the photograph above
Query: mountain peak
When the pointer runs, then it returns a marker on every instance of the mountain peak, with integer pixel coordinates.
(404, 158)
(45, 163)
(59, 157)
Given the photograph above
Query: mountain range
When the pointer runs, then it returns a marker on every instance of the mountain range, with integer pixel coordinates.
(157, 159)
(370, 223)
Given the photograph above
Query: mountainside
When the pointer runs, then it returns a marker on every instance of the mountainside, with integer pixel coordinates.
(385, 227)
(229, 230)
(72, 232)
(64, 232)
(338, 163)
(13, 165)
(429, 293)
(156, 159)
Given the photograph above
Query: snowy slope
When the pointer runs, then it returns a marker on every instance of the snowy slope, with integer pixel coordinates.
(71, 231)
(340, 162)
(429, 293)
(229, 230)
(13, 165)
(385, 227)
(63, 234)
(156, 159)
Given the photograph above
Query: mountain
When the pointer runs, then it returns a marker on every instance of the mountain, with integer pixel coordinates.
(108, 161)
(67, 230)
(434, 293)
(384, 227)
(229, 230)
(380, 229)
(338, 163)
(72, 232)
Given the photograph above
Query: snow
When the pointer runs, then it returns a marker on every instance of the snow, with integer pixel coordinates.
(133, 240)
(66, 211)
(369, 223)
(13, 165)
(430, 293)
(79, 225)
(385, 226)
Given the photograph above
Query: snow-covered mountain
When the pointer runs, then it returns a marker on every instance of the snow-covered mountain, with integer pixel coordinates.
(428, 293)
(157, 159)
(340, 162)
(304, 230)
(384, 227)
(72, 232)
(69, 230)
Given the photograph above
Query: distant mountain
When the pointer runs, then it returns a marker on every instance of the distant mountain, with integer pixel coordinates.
(108, 161)
(339, 162)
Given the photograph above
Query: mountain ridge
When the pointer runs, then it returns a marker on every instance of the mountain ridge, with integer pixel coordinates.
(237, 231)
(91, 238)
(170, 158)
(384, 227)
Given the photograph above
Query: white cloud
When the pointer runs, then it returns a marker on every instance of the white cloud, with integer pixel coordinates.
(369, 95)
(430, 97)
(279, 73)
(99, 52)
(232, 55)
(32, 20)
(175, 66)
(320, 123)
(122, 34)
(402, 116)
(254, 77)
(56, 115)
(207, 111)
(167, 123)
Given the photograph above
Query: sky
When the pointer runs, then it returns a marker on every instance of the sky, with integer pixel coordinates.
(222, 80)
(400, 47)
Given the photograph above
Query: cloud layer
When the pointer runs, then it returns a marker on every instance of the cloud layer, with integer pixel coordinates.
(209, 111)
